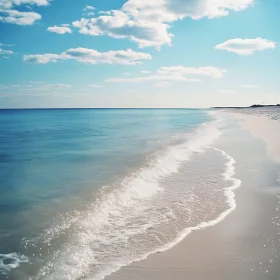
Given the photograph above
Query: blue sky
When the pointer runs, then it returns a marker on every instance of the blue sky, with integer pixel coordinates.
(138, 53)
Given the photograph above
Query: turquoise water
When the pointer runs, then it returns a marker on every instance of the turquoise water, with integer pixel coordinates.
(86, 191)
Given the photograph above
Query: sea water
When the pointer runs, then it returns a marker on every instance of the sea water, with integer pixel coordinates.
(84, 192)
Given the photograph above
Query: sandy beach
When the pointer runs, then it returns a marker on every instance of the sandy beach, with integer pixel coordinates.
(246, 244)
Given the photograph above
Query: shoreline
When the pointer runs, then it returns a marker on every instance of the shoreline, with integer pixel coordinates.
(203, 252)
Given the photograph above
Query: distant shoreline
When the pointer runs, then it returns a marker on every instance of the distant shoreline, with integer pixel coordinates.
(252, 106)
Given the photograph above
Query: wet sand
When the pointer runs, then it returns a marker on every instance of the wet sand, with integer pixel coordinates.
(246, 244)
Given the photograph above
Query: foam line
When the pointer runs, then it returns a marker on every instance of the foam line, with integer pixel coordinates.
(230, 195)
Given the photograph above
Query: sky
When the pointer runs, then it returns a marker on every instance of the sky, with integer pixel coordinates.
(139, 53)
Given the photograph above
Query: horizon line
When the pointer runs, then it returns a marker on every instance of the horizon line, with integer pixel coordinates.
(106, 108)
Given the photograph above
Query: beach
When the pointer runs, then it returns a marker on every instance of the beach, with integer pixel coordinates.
(246, 243)
(140, 194)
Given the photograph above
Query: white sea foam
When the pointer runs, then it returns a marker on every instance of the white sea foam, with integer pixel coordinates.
(11, 261)
(230, 196)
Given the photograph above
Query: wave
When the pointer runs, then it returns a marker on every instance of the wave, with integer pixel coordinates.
(230, 195)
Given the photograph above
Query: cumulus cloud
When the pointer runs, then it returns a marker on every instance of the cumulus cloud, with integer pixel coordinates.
(90, 56)
(9, 13)
(145, 72)
(147, 22)
(119, 25)
(19, 18)
(246, 46)
(175, 74)
(59, 29)
(7, 4)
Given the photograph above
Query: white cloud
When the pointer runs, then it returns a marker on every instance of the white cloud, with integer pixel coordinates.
(6, 45)
(19, 18)
(42, 58)
(145, 72)
(59, 29)
(5, 52)
(127, 74)
(119, 25)
(249, 86)
(96, 86)
(9, 13)
(246, 46)
(162, 84)
(90, 56)
(89, 11)
(147, 22)
(7, 4)
(170, 10)
(175, 74)
(89, 8)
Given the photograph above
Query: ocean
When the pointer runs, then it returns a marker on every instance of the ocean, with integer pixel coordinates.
(87, 191)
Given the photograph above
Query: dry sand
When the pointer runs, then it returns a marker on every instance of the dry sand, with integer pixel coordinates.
(265, 124)
(246, 244)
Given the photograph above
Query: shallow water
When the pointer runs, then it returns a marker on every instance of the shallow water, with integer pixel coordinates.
(85, 192)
